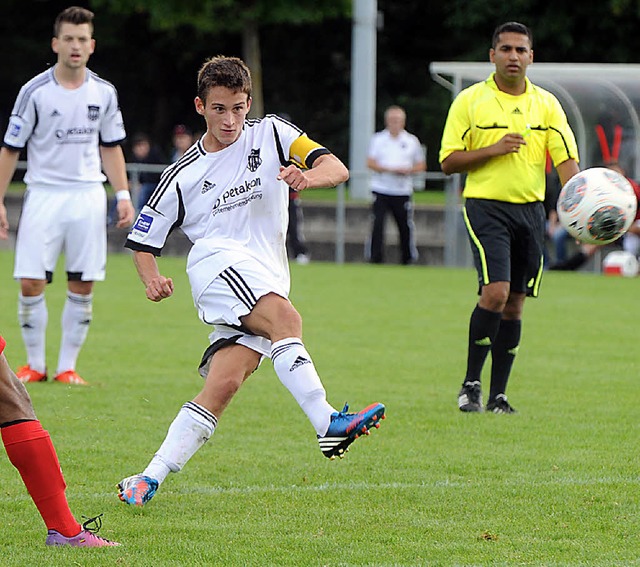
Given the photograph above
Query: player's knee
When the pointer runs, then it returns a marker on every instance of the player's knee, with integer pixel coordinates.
(32, 288)
(514, 306)
(286, 322)
(291, 322)
(494, 297)
(15, 403)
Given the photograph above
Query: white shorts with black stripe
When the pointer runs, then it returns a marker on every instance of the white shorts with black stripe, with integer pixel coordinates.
(56, 220)
(232, 295)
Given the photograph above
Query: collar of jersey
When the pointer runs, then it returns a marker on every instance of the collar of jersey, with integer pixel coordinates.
(491, 83)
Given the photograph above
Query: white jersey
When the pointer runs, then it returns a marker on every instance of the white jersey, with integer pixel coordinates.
(229, 203)
(62, 129)
(404, 151)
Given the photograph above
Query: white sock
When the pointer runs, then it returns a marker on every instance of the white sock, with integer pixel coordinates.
(190, 430)
(33, 317)
(296, 371)
(76, 318)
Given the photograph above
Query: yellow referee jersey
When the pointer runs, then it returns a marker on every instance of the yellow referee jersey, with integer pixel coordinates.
(482, 114)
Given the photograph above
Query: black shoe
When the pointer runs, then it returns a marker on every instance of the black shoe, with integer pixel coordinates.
(470, 397)
(500, 405)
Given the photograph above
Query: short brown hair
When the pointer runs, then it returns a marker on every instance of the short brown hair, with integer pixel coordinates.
(73, 15)
(222, 71)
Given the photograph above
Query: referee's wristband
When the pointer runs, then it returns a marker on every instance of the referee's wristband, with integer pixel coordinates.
(123, 195)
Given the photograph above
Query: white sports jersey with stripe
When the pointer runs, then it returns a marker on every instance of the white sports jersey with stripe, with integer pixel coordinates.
(229, 203)
(62, 129)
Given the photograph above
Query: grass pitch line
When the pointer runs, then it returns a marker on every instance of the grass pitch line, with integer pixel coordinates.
(353, 486)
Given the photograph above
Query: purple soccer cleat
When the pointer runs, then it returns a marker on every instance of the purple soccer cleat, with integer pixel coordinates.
(86, 538)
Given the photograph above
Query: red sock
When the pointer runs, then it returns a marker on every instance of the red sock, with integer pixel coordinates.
(31, 451)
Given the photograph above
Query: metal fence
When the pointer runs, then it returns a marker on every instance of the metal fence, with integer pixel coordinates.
(456, 251)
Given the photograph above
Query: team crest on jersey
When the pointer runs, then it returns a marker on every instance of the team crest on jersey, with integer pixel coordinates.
(255, 161)
(14, 129)
(206, 186)
(93, 112)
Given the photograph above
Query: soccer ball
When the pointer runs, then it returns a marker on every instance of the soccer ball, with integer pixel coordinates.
(597, 205)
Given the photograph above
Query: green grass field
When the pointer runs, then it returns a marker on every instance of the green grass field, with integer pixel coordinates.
(555, 484)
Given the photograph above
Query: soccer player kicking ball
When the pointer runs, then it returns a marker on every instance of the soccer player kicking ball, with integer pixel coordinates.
(31, 451)
(229, 195)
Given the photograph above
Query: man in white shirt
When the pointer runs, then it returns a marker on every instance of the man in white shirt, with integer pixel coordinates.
(229, 194)
(69, 120)
(394, 156)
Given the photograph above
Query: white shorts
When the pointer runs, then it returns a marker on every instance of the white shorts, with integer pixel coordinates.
(56, 220)
(231, 295)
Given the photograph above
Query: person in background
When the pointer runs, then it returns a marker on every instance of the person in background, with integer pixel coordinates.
(32, 453)
(631, 238)
(498, 132)
(557, 234)
(295, 236)
(70, 122)
(394, 156)
(182, 141)
(145, 153)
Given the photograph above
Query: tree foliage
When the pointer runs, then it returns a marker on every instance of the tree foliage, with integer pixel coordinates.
(212, 16)
(205, 17)
(151, 50)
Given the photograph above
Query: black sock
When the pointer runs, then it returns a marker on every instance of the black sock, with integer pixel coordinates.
(483, 328)
(503, 353)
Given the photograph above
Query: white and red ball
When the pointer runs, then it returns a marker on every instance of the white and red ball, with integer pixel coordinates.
(597, 205)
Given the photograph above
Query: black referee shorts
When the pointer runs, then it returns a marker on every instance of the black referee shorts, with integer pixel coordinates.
(507, 240)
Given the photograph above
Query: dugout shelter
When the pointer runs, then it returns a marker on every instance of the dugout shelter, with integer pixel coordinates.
(602, 103)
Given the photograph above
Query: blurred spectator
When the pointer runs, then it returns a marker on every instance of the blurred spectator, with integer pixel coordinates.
(558, 235)
(295, 237)
(182, 141)
(631, 239)
(394, 156)
(144, 152)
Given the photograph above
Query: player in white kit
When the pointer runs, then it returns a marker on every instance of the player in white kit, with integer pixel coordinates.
(69, 120)
(229, 195)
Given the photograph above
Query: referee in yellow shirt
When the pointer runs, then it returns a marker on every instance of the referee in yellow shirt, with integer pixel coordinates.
(498, 132)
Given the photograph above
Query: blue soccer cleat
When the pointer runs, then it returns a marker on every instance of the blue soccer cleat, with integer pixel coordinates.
(137, 490)
(345, 428)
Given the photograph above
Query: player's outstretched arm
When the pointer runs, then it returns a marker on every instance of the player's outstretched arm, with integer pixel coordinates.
(157, 287)
(566, 170)
(4, 223)
(8, 163)
(115, 168)
(327, 171)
